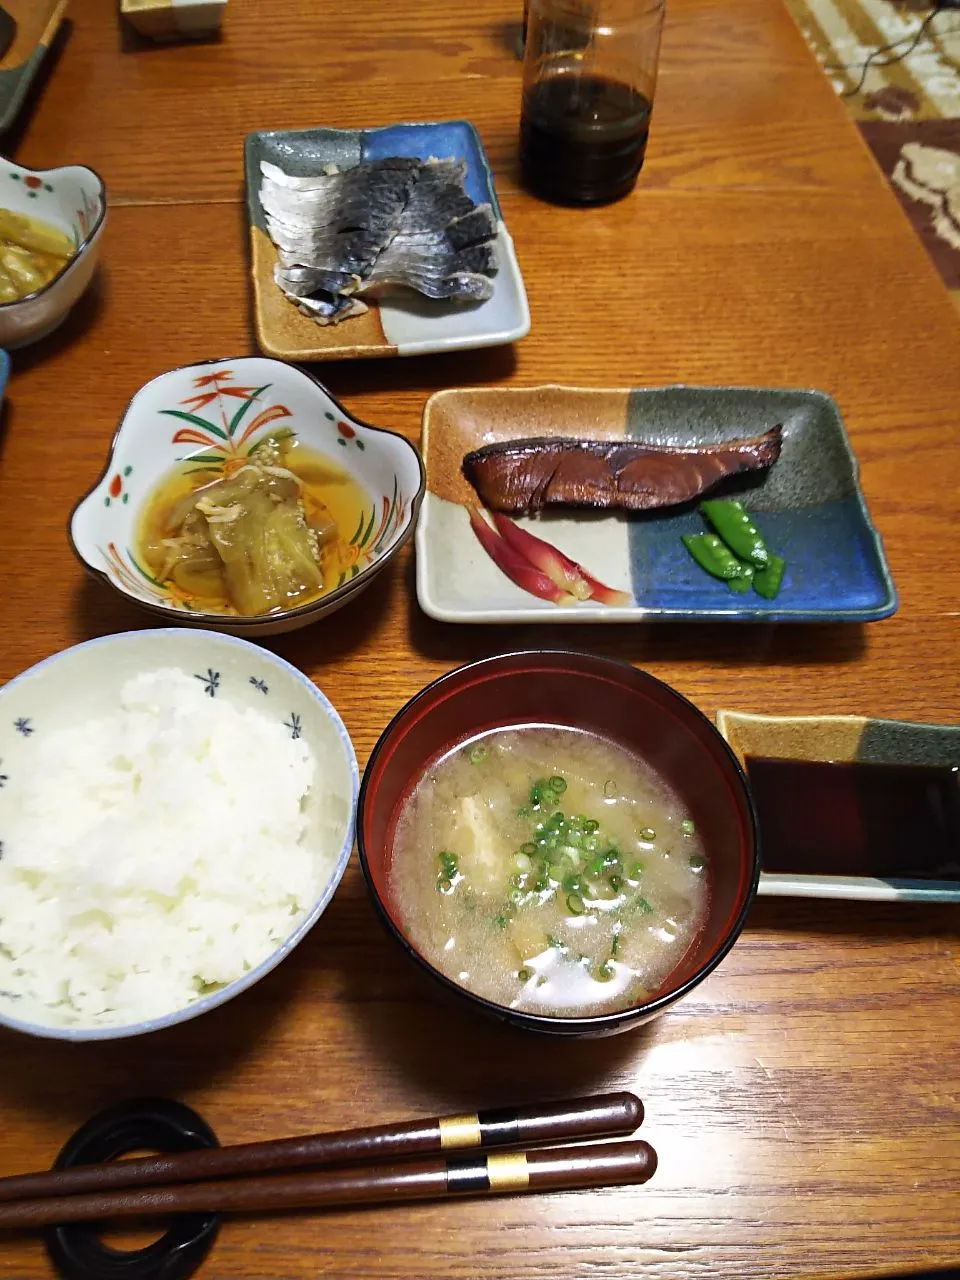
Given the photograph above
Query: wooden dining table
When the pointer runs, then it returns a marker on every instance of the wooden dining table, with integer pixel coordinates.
(805, 1099)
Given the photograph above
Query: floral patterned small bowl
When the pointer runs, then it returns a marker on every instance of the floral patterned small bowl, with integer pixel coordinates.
(74, 200)
(218, 411)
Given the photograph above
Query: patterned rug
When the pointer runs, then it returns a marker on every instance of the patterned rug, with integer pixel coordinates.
(896, 64)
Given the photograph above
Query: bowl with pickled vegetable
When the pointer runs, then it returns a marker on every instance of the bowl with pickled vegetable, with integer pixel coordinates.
(239, 494)
(562, 840)
(51, 221)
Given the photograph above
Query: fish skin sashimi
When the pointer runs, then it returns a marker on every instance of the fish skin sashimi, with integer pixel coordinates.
(527, 475)
(397, 222)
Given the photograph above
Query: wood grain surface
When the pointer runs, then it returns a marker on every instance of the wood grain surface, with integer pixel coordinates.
(805, 1100)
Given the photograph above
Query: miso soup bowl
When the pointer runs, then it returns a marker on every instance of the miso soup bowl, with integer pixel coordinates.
(614, 701)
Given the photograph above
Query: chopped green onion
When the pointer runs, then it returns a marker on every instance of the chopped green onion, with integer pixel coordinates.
(522, 862)
(444, 885)
(478, 753)
(524, 974)
(615, 945)
(500, 921)
(573, 884)
(610, 789)
(696, 862)
(648, 834)
(636, 871)
(554, 941)
(687, 827)
(514, 896)
(605, 971)
(523, 812)
(529, 849)
(595, 866)
(575, 904)
(615, 883)
(643, 906)
(557, 784)
(590, 826)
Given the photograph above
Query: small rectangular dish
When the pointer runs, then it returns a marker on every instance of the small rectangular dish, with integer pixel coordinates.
(37, 23)
(167, 20)
(846, 740)
(401, 324)
(809, 507)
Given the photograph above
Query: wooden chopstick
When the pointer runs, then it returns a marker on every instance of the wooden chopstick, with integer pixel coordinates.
(554, 1168)
(605, 1115)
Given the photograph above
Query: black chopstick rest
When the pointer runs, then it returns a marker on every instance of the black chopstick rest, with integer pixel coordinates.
(157, 1124)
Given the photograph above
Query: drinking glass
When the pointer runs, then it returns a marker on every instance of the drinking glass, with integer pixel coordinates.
(589, 75)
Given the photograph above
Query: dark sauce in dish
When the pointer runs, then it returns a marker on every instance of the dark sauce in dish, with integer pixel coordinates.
(857, 819)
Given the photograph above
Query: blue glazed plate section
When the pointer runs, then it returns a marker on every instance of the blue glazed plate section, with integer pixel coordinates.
(808, 506)
(442, 140)
(833, 567)
(308, 150)
(4, 372)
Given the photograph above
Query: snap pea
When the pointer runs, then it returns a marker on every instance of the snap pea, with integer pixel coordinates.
(735, 526)
(713, 554)
(767, 582)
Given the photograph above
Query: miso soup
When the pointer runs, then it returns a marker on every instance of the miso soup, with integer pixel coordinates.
(548, 870)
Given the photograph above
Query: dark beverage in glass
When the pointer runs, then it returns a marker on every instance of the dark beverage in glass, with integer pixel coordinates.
(582, 138)
(589, 73)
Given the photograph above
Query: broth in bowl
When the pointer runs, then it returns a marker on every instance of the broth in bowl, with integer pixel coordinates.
(548, 870)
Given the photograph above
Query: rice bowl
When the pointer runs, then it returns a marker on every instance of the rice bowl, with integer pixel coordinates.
(176, 812)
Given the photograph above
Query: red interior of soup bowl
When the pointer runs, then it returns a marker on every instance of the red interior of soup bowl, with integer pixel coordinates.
(616, 702)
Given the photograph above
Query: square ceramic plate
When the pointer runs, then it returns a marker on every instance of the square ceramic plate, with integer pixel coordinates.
(37, 23)
(808, 506)
(405, 324)
(846, 739)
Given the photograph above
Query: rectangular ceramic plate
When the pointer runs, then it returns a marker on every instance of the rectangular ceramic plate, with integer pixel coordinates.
(808, 506)
(37, 23)
(405, 324)
(844, 739)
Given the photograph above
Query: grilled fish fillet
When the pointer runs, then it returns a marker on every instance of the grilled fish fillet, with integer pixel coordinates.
(527, 475)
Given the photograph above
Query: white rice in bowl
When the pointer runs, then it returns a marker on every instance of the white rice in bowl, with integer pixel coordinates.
(155, 854)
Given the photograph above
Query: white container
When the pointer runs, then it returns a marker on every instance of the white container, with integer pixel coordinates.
(153, 438)
(74, 200)
(84, 682)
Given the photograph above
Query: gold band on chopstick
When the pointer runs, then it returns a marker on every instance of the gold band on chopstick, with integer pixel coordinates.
(497, 1172)
(457, 1132)
(508, 1172)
